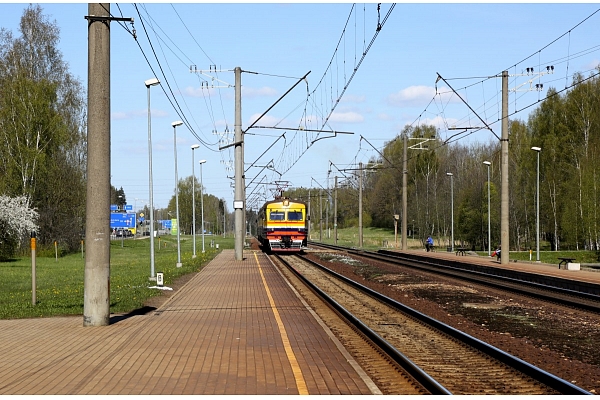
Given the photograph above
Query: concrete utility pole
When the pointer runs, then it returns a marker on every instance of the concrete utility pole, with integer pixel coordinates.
(335, 213)
(308, 218)
(504, 220)
(96, 297)
(404, 194)
(320, 216)
(360, 206)
(238, 201)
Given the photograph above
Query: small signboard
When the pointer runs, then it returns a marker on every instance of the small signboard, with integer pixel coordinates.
(128, 207)
(114, 207)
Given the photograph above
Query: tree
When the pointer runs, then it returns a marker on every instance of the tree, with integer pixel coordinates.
(42, 128)
(17, 220)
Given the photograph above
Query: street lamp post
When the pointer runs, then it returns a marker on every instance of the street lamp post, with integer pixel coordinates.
(202, 203)
(194, 147)
(488, 210)
(537, 206)
(122, 230)
(148, 83)
(452, 208)
(175, 125)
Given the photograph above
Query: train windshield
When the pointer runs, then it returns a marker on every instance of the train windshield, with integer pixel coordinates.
(277, 216)
(294, 215)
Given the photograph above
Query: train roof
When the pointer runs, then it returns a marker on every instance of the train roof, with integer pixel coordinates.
(280, 200)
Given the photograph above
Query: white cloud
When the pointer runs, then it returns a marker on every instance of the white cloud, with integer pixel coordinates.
(264, 121)
(418, 96)
(412, 96)
(348, 117)
(201, 91)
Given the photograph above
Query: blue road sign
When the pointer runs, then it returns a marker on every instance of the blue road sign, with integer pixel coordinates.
(122, 220)
(128, 207)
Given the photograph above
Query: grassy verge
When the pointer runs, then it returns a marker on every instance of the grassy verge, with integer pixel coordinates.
(375, 239)
(60, 282)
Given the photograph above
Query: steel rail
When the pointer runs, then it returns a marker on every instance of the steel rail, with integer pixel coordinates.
(546, 378)
(413, 370)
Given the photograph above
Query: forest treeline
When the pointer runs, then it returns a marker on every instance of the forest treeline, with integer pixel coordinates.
(566, 126)
(42, 129)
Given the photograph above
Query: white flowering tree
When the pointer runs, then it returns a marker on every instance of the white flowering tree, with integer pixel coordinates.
(17, 221)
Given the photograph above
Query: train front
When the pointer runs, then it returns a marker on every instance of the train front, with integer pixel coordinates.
(284, 225)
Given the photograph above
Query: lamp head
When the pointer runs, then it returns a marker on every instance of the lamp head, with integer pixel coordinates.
(449, 173)
(538, 149)
(176, 123)
(201, 161)
(487, 163)
(195, 146)
(151, 82)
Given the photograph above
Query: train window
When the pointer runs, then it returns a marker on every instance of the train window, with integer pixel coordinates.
(277, 216)
(294, 215)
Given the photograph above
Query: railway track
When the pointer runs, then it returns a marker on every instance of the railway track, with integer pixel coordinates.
(548, 289)
(440, 358)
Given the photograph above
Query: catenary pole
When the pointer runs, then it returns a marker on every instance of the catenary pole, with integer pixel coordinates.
(238, 201)
(96, 297)
(335, 219)
(504, 223)
(404, 194)
(360, 205)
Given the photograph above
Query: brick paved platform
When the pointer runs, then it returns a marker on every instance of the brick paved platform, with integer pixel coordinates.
(236, 328)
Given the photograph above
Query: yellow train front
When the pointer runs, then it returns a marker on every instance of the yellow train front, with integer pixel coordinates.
(283, 225)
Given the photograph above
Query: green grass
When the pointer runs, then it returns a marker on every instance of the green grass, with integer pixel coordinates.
(376, 238)
(60, 283)
(373, 238)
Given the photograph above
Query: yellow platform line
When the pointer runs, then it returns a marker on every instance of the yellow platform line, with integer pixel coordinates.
(300, 383)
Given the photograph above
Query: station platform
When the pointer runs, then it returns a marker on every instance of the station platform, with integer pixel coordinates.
(236, 327)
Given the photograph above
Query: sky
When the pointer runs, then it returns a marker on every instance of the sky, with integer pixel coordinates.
(363, 85)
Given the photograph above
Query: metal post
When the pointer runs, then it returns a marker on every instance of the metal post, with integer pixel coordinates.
(537, 206)
(537, 212)
(308, 230)
(33, 266)
(335, 213)
(405, 194)
(175, 125)
(148, 83)
(504, 204)
(488, 210)
(320, 216)
(96, 297)
(238, 201)
(194, 147)
(452, 208)
(202, 203)
(360, 206)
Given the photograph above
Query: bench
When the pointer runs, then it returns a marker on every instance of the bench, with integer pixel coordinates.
(565, 260)
(461, 250)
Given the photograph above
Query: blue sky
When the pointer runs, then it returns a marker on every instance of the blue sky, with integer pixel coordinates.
(394, 85)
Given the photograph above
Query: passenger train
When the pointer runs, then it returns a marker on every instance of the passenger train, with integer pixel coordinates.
(283, 225)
